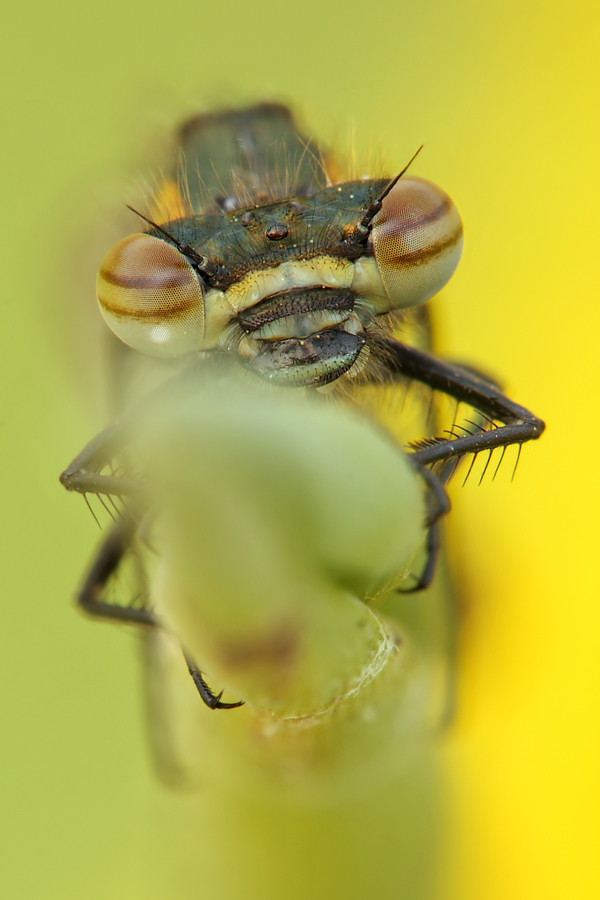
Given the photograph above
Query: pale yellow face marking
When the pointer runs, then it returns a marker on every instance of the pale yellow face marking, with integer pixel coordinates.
(368, 285)
(222, 306)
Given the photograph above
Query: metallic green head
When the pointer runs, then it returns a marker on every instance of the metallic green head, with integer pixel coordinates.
(294, 285)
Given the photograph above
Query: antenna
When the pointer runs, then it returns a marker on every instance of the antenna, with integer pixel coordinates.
(208, 268)
(363, 228)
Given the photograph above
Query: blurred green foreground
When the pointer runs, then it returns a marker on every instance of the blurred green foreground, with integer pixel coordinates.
(281, 525)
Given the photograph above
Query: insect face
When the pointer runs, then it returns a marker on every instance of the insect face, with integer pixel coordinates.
(291, 287)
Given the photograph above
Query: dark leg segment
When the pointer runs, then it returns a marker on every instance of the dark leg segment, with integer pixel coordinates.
(90, 599)
(106, 564)
(438, 506)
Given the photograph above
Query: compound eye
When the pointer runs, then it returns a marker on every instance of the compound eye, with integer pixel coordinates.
(417, 238)
(151, 297)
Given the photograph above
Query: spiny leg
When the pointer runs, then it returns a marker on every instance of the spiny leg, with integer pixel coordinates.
(519, 425)
(83, 474)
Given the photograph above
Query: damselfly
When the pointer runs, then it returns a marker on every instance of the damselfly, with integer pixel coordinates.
(254, 250)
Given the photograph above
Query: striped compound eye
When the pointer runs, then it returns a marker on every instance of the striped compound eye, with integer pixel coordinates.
(417, 238)
(151, 297)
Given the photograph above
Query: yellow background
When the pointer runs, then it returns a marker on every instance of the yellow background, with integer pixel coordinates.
(504, 96)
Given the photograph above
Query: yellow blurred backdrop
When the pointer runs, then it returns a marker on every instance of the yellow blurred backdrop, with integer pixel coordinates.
(505, 98)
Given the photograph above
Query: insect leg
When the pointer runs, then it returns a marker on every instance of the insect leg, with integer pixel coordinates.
(519, 425)
(438, 506)
(106, 563)
(90, 599)
(82, 475)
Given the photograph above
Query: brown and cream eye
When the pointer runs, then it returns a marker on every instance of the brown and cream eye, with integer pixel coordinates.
(417, 238)
(151, 297)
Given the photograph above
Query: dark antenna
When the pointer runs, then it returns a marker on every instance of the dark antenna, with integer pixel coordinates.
(202, 263)
(363, 229)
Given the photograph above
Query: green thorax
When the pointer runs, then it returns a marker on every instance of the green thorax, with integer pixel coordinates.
(240, 157)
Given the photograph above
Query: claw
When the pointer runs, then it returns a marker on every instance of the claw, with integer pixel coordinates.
(213, 701)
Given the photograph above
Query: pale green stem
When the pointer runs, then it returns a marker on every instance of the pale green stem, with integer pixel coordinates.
(282, 524)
